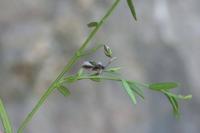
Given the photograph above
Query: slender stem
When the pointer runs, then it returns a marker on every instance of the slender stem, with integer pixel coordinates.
(45, 95)
(99, 77)
(103, 78)
(109, 12)
(71, 62)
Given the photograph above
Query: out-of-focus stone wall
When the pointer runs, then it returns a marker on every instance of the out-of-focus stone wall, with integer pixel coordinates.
(37, 38)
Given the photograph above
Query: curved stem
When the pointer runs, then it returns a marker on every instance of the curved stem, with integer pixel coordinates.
(71, 62)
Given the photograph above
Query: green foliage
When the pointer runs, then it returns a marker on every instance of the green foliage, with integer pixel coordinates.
(98, 72)
(129, 91)
(4, 118)
(132, 8)
(134, 88)
(137, 89)
(187, 97)
(163, 86)
(63, 90)
(174, 103)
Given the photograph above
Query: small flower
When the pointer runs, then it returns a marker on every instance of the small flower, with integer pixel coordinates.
(107, 51)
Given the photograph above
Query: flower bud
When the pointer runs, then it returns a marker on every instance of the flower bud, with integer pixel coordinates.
(107, 51)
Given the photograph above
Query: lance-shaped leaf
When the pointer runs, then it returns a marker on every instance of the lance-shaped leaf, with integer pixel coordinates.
(129, 91)
(132, 8)
(136, 89)
(187, 97)
(4, 118)
(163, 86)
(92, 24)
(63, 90)
(174, 104)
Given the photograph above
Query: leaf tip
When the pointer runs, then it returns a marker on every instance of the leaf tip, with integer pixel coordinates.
(188, 97)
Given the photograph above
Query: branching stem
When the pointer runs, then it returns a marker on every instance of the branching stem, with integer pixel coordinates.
(67, 68)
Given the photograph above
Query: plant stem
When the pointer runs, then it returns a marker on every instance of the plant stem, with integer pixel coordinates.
(109, 12)
(99, 77)
(66, 69)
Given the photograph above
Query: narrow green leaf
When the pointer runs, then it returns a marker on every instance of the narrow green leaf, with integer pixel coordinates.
(187, 97)
(4, 118)
(174, 104)
(132, 8)
(129, 91)
(163, 86)
(92, 24)
(63, 90)
(136, 89)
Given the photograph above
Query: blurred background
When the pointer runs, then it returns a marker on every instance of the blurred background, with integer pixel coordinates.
(38, 37)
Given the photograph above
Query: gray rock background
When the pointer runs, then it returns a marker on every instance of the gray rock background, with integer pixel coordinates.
(37, 38)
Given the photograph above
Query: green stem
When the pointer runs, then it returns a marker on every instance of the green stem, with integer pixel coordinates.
(66, 69)
(109, 12)
(99, 77)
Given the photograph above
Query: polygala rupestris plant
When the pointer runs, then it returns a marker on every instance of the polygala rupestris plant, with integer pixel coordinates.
(97, 72)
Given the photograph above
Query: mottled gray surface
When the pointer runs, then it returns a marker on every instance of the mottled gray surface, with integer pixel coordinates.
(37, 38)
